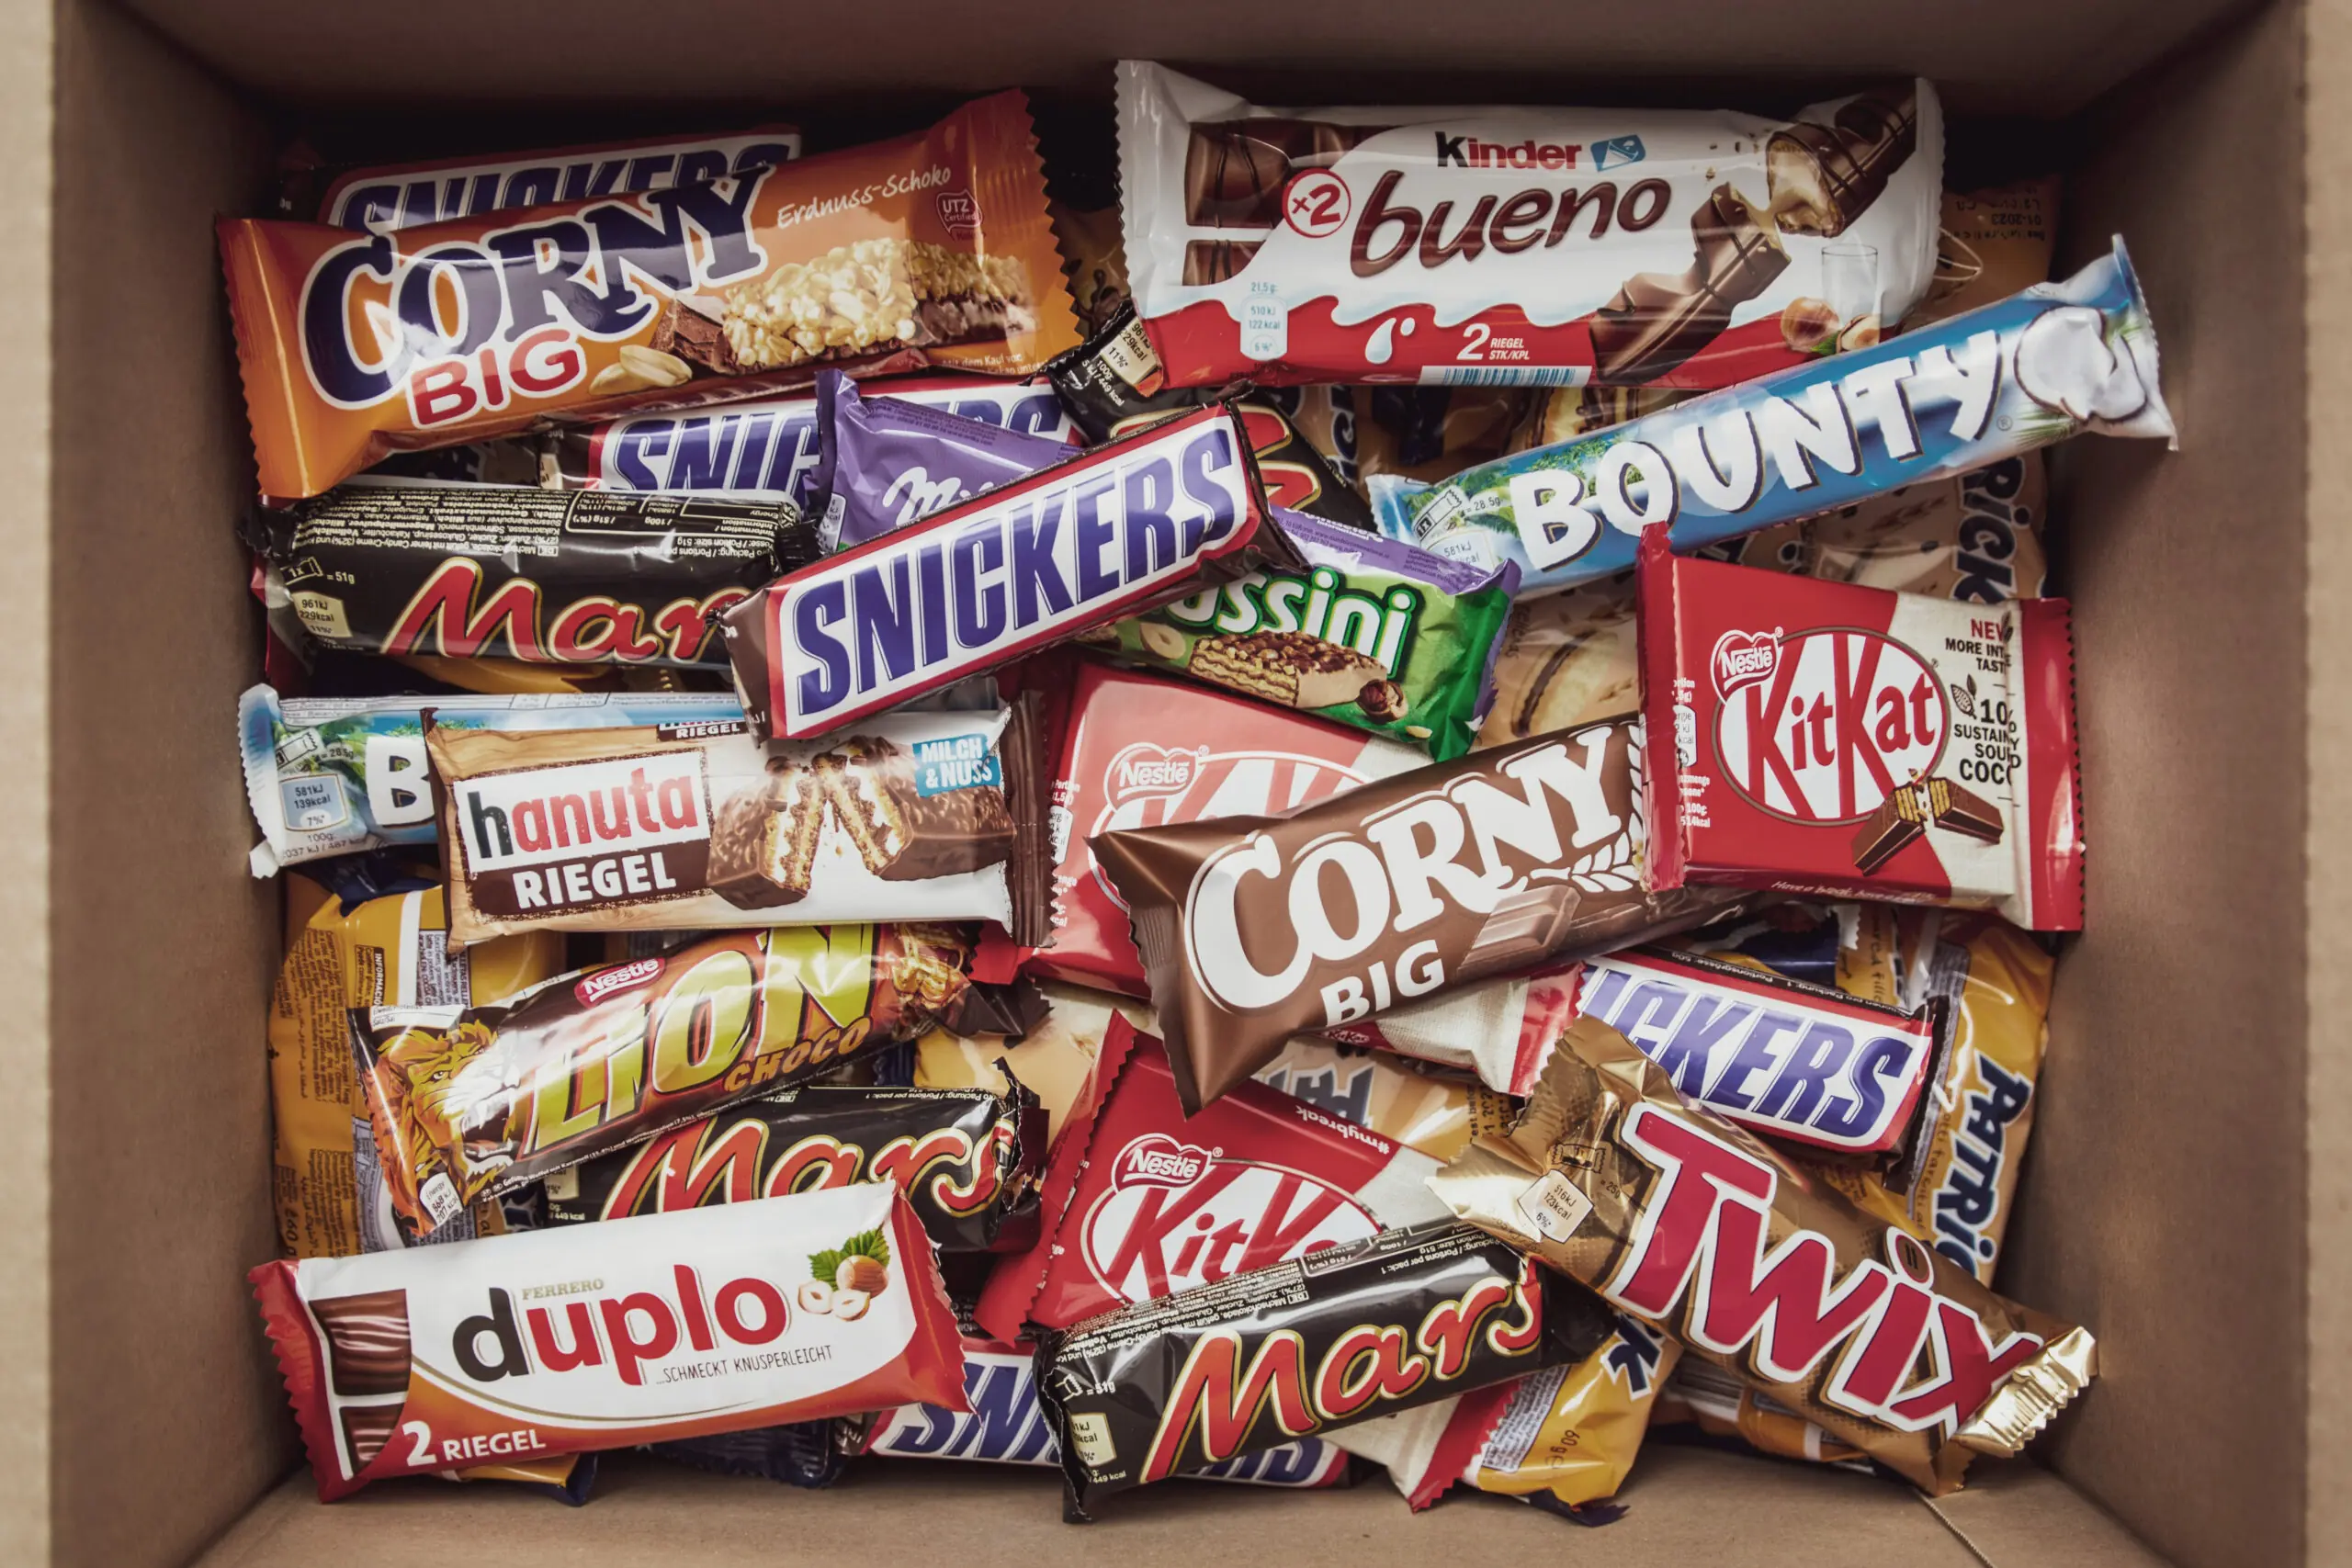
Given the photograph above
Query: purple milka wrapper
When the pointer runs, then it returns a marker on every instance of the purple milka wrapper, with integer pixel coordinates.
(883, 463)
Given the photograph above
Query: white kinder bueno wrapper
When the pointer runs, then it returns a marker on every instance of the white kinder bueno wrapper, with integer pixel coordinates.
(1493, 246)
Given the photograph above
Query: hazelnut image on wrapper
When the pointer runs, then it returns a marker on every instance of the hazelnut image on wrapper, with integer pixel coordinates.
(865, 1275)
(1383, 701)
(848, 1277)
(1810, 325)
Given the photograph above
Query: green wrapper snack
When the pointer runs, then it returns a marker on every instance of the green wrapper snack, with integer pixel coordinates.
(1379, 635)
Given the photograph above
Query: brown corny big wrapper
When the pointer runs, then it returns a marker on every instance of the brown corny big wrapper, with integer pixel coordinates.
(1680, 1219)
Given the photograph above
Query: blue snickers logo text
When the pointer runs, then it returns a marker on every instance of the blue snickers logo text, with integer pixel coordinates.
(1775, 1062)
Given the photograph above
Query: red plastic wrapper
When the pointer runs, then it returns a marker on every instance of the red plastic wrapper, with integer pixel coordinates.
(1139, 750)
(598, 1336)
(1813, 736)
(1141, 1202)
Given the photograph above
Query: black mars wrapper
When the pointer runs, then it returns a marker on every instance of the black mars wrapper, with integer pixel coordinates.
(1364, 1329)
(1253, 929)
(513, 572)
(968, 1159)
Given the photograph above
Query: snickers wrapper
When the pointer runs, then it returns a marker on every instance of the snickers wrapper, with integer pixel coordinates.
(1829, 737)
(1141, 1200)
(466, 1102)
(1833, 431)
(1255, 928)
(697, 826)
(672, 1325)
(515, 571)
(1126, 527)
(1690, 1225)
(967, 1160)
(929, 249)
(1346, 1334)
(1006, 1425)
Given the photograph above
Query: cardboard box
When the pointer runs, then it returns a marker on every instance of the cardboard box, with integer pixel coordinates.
(2185, 1197)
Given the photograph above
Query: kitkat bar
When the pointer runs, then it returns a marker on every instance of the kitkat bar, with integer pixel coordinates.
(1139, 750)
(464, 1102)
(1255, 928)
(1828, 738)
(698, 825)
(929, 249)
(1522, 246)
(565, 1341)
(1709, 1234)
(1141, 1200)
(1168, 512)
(384, 197)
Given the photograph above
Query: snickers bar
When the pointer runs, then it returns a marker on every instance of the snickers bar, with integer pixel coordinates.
(1346, 1334)
(515, 571)
(566, 1341)
(967, 1160)
(1831, 738)
(696, 825)
(1255, 928)
(483, 1100)
(1163, 514)
(1694, 1228)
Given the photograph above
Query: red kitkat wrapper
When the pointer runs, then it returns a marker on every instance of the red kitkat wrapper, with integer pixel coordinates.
(1814, 736)
(1142, 1201)
(1141, 751)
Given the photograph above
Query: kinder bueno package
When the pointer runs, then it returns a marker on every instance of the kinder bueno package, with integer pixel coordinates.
(770, 444)
(1379, 635)
(1802, 1062)
(882, 464)
(1113, 385)
(468, 1100)
(696, 825)
(1342, 1334)
(967, 1160)
(1563, 1438)
(404, 196)
(2044, 365)
(334, 775)
(515, 571)
(1493, 246)
(1256, 928)
(1142, 1201)
(389, 951)
(1163, 514)
(670, 1326)
(1139, 751)
(1695, 1227)
(1006, 1425)
(930, 249)
(1821, 737)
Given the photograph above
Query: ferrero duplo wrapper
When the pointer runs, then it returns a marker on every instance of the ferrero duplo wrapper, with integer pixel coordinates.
(1680, 1219)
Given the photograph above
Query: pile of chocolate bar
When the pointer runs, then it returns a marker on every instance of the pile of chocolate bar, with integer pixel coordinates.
(1392, 804)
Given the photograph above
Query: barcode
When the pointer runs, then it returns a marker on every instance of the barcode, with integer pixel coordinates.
(1504, 374)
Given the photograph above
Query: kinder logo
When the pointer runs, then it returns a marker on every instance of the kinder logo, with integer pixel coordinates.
(630, 1332)
(1842, 718)
(611, 982)
(958, 213)
(535, 816)
(1145, 772)
(1742, 658)
(1189, 1218)
(1159, 1160)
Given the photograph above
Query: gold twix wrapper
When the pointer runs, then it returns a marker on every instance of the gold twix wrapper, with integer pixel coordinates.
(1682, 1220)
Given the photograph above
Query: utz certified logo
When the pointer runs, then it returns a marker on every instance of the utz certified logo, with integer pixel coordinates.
(1742, 658)
(1841, 717)
(960, 214)
(1178, 1216)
